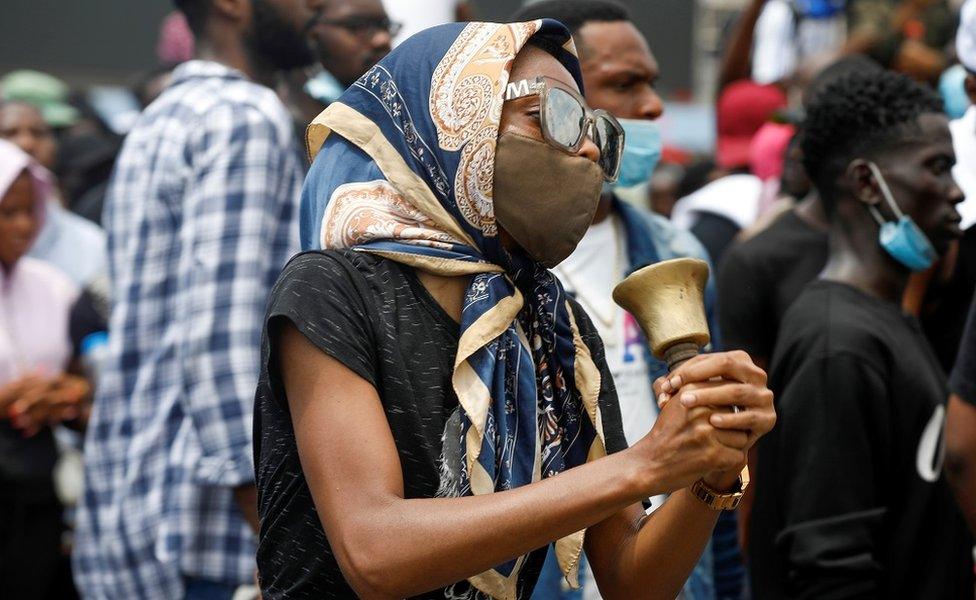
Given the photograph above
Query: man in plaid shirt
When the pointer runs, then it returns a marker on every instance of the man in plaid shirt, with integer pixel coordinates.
(201, 216)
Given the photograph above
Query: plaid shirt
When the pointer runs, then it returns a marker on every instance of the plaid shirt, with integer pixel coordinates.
(201, 215)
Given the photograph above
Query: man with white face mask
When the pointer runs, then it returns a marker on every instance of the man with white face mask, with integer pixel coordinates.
(850, 495)
(619, 73)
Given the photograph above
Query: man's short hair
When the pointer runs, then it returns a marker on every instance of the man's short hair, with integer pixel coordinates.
(574, 13)
(196, 12)
(860, 115)
(838, 69)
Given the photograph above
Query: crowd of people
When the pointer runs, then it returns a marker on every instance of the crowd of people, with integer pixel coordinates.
(331, 314)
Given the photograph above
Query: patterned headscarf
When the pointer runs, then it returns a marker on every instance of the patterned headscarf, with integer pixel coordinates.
(408, 175)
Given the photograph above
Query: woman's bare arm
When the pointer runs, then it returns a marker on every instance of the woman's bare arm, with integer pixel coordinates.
(651, 556)
(389, 547)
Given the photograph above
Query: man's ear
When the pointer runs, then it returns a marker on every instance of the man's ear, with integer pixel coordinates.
(238, 11)
(862, 182)
(970, 84)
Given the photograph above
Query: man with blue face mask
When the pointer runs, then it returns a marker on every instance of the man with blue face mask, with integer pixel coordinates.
(619, 74)
(851, 499)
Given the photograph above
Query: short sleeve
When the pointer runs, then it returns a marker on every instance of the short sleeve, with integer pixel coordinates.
(327, 299)
(963, 379)
(613, 427)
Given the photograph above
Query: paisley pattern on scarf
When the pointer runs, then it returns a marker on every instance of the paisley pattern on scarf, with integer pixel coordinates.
(408, 153)
(467, 107)
(364, 212)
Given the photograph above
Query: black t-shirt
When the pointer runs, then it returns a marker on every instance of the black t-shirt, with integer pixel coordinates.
(715, 232)
(944, 312)
(761, 277)
(851, 500)
(963, 379)
(375, 317)
(27, 464)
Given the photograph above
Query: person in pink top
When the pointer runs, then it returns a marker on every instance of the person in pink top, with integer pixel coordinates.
(37, 388)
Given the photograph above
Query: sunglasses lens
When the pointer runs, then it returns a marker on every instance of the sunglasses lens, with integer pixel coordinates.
(610, 143)
(565, 118)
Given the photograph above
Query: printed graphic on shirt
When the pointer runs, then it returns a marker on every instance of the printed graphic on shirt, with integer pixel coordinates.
(931, 447)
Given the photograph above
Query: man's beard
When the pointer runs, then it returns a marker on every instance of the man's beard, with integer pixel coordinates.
(273, 40)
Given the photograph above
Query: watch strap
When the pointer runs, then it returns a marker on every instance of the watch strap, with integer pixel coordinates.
(716, 500)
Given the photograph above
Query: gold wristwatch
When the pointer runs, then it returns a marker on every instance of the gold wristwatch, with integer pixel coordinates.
(719, 500)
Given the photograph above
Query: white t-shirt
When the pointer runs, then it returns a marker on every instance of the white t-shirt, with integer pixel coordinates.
(781, 44)
(735, 197)
(590, 273)
(964, 172)
(596, 266)
(417, 15)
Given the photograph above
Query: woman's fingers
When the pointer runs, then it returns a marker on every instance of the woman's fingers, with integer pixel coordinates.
(738, 440)
(736, 366)
(727, 394)
(757, 422)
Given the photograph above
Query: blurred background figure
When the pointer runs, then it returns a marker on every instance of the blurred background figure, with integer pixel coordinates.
(417, 15)
(201, 216)
(910, 36)
(49, 94)
(717, 212)
(793, 37)
(665, 188)
(964, 126)
(348, 38)
(955, 344)
(941, 298)
(767, 161)
(176, 44)
(73, 244)
(40, 386)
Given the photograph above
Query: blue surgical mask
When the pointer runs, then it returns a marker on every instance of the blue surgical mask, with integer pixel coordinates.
(952, 88)
(901, 239)
(642, 152)
(324, 87)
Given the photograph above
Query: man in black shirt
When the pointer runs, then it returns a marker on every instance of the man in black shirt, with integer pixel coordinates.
(760, 277)
(850, 499)
(961, 423)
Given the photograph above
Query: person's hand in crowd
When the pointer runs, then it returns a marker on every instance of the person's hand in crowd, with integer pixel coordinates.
(35, 401)
(919, 61)
(711, 387)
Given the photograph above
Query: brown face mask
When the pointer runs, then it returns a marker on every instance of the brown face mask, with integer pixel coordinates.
(544, 198)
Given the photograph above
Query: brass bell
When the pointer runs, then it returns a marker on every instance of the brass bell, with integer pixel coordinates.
(667, 299)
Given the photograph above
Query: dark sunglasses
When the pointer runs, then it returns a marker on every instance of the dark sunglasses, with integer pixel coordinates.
(567, 121)
(363, 26)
